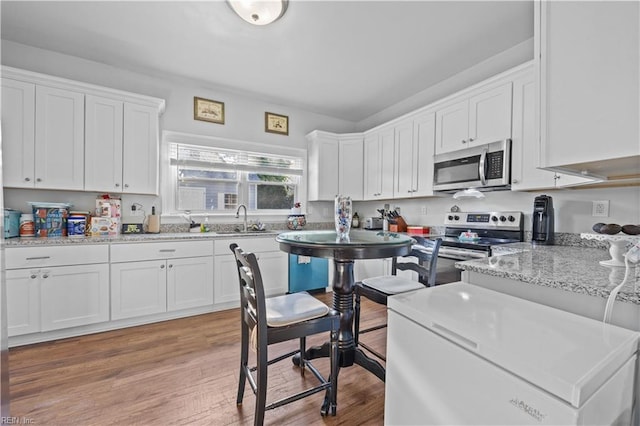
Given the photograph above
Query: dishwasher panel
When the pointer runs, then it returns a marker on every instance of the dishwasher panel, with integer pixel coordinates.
(307, 273)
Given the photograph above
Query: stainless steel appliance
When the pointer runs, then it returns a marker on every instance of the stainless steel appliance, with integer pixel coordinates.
(485, 167)
(543, 220)
(373, 223)
(479, 231)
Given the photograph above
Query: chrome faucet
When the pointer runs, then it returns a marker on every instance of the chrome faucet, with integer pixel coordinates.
(245, 216)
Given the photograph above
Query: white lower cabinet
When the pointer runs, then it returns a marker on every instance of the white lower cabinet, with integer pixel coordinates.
(138, 288)
(273, 263)
(44, 297)
(152, 278)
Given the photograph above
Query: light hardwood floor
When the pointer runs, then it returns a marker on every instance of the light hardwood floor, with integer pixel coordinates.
(178, 372)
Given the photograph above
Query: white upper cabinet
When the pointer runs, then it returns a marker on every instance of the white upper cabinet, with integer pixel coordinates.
(62, 134)
(18, 133)
(415, 140)
(587, 57)
(351, 168)
(103, 139)
(140, 153)
(524, 148)
(479, 117)
(59, 147)
(335, 165)
(379, 164)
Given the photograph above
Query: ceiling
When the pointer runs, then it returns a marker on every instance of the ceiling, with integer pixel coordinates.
(345, 59)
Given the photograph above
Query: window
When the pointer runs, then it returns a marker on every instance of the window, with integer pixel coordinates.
(211, 179)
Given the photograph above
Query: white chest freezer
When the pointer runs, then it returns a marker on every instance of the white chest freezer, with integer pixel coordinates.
(460, 354)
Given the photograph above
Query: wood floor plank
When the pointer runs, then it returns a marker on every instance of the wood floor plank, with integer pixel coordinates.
(179, 372)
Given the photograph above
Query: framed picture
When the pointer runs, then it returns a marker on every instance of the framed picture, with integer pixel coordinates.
(275, 123)
(208, 110)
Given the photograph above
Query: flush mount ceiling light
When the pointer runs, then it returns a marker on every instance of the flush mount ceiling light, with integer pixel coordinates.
(259, 12)
(468, 193)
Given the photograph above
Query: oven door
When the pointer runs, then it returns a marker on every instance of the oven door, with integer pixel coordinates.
(448, 256)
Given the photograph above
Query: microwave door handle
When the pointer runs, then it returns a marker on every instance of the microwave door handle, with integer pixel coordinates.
(481, 167)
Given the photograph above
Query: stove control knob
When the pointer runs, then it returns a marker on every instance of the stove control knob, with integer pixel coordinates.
(502, 218)
(494, 218)
(511, 219)
(456, 217)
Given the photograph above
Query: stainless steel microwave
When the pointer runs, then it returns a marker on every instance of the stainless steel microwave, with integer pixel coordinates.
(484, 167)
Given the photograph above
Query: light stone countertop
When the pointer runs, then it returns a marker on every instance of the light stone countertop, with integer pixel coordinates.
(574, 269)
(163, 236)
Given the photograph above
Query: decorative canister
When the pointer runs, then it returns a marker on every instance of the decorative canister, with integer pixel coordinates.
(27, 225)
(343, 216)
(76, 225)
(296, 221)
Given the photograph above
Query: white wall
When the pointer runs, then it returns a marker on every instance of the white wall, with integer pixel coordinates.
(573, 207)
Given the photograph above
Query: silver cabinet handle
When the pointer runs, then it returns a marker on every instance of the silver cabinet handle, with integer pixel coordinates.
(470, 139)
(45, 276)
(38, 257)
(161, 266)
(170, 266)
(33, 276)
(38, 180)
(464, 141)
(126, 185)
(117, 185)
(167, 250)
(27, 179)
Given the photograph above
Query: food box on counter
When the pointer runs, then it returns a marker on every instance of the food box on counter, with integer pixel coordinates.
(50, 219)
(104, 226)
(109, 207)
(418, 230)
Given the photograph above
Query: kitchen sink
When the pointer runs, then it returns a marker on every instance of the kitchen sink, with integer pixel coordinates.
(241, 232)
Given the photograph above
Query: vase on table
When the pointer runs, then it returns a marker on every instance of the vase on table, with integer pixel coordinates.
(343, 209)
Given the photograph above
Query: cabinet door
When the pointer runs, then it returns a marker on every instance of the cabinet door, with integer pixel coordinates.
(138, 288)
(23, 301)
(524, 148)
(424, 134)
(372, 167)
(406, 161)
(589, 81)
(74, 295)
(59, 139)
(490, 115)
(387, 163)
(18, 133)
(274, 267)
(226, 287)
(322, 162)
(351, 171)
(452, 127)
(140, 150)
(189, 282)
(103, 144)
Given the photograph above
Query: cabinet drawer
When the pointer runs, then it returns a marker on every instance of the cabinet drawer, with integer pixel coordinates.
(30, 257)
(255, 245)
(166, 250)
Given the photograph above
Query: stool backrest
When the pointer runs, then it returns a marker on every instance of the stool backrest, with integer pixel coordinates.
(426, 250)
(252, 298)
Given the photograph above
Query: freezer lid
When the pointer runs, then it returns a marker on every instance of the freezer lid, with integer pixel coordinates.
(565, 354)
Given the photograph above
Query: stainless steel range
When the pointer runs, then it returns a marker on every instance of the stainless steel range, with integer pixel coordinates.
(470, 235)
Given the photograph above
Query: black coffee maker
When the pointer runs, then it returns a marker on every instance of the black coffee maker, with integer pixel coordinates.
(543, 220)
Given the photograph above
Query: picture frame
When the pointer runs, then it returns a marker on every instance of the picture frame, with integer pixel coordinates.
(276, 123)
(208, 110)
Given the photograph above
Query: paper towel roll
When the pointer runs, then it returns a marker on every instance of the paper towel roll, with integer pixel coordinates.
(153, 226)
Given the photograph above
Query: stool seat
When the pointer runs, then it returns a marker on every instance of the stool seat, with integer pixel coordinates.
(392, 284)
(293, 308)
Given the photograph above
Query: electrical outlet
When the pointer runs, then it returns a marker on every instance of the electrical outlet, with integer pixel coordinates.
(423, 210)
(600, 208)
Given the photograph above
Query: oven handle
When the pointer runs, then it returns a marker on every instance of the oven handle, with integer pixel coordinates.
(462, 254)
(481, 168)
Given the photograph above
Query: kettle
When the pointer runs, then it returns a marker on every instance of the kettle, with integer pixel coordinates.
(543, 220)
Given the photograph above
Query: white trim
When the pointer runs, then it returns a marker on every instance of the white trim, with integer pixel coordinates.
(86, 88)
(167, 173)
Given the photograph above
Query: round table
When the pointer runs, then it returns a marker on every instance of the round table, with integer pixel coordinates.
(359, 245)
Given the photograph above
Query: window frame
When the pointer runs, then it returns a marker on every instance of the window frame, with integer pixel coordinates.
(168, 173)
